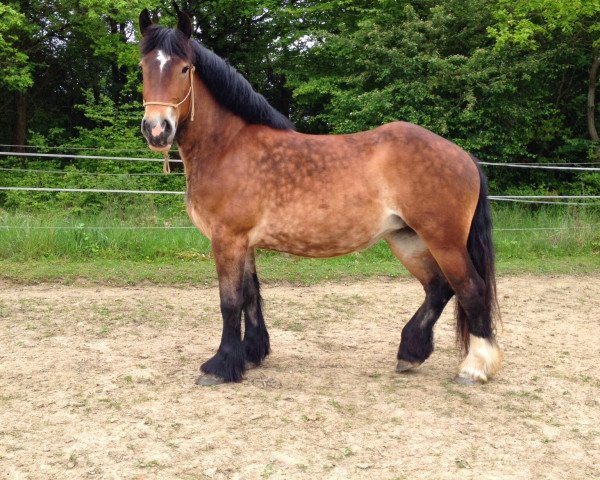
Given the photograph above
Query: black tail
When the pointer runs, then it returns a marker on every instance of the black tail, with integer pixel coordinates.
(481, 250)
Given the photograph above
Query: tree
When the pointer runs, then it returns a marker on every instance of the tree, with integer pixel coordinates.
(15, 71)
(505, 80)
(52, 50)
(437, 65)
(15, 67)
(246, 34)
(530, 23)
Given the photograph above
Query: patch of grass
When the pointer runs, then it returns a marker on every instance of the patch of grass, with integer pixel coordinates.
(341, 303)
(112, 248)
(520, 409)
(524, 394)
(268, 470)
(543, 233)
(342, 453)
(344, 409)
(311, 418)
(127, 273)
(6, 399)
(295, 327)
(72, 462)
(107, 272)
(112, 403)
(148, 464)
(141, 399)
(454, 390)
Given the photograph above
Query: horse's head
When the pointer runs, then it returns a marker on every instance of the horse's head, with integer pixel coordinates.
(167, 68)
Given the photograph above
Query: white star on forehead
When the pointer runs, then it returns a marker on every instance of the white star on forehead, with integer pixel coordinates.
(163, 59)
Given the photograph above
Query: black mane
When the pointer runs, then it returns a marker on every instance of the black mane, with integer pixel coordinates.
(226, 84)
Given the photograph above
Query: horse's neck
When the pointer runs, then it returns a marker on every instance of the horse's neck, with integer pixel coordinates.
(201, 141)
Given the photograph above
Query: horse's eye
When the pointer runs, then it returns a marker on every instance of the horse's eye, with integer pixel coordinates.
(185, 69)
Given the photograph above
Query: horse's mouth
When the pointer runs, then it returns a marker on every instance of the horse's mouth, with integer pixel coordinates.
(160, 148)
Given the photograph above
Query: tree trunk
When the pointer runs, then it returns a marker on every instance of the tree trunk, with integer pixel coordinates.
(591, 103)
(20, 128)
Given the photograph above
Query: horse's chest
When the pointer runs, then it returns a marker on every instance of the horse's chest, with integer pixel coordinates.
(200, 219)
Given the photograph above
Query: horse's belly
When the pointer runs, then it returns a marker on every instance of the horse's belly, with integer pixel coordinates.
(313, 249)
(323, 237)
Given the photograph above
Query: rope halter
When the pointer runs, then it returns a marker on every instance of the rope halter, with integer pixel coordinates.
(166, 166)
(177, 105)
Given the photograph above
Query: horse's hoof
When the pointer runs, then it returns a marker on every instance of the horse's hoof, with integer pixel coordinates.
(250, 365)
(468, 381)
(208, 379)
(405, 366)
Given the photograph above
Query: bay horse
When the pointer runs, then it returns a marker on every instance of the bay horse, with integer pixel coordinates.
(252, 182)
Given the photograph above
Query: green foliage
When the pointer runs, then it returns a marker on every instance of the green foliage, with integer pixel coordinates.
(115, 133)
(115, 126)
(435, 64)
(505, 80)
(528, 23)
(15, 69)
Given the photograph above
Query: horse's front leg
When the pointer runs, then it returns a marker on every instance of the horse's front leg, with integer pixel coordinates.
(228, 364)
(256, 336)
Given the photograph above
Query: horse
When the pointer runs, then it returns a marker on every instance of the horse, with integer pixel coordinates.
(253, 181)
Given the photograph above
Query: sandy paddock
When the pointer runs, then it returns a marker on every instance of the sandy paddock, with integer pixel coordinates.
(98, 382)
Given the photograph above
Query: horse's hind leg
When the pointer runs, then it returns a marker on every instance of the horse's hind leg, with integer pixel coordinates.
(416, 344)
(256, 337)
(474, 316)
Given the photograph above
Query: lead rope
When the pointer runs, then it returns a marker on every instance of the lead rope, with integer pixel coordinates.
(166, 164)
(166, 158)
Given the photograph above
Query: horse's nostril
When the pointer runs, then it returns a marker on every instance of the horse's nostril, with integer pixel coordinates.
(167, 127)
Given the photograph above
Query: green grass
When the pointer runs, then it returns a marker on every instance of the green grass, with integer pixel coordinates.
(577, 233)
(121, 255)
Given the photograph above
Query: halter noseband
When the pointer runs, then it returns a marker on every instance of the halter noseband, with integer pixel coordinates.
(177, 105)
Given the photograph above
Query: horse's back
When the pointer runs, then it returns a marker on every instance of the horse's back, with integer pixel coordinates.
(404, 166)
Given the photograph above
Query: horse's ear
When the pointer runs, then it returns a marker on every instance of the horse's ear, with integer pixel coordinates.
(145, 21)
(183, 21)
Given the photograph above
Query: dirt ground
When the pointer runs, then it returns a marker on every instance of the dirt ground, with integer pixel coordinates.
(98, 382)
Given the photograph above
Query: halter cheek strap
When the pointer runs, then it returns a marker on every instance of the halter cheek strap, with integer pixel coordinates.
(177, 105)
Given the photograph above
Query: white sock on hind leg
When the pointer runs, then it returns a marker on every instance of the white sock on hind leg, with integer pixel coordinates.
(482, 361)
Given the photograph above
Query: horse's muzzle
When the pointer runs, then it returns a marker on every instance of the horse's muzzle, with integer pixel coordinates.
(158, 132)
